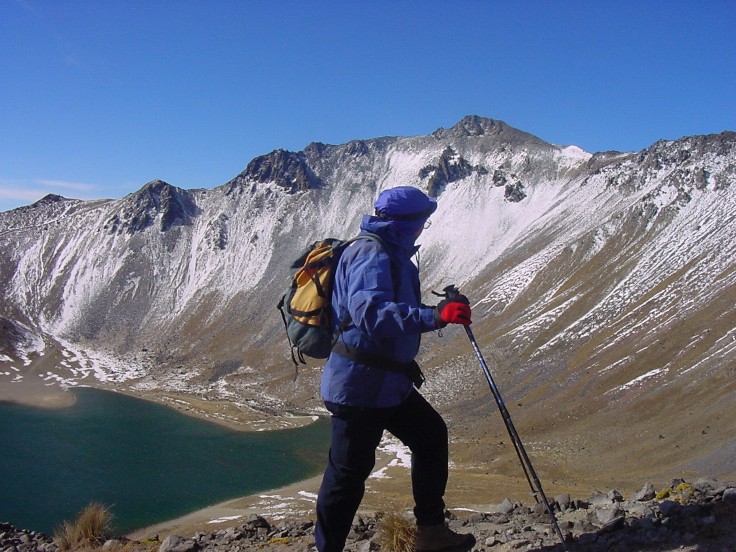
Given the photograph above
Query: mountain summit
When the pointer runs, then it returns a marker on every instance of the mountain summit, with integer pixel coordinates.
(602, 288)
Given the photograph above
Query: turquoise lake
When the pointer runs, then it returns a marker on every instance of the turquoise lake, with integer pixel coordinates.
(146, 462)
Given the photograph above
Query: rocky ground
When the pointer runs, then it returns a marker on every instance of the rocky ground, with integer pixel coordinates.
(698, 516)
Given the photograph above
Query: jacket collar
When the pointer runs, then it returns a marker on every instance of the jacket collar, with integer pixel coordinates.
(388, 230)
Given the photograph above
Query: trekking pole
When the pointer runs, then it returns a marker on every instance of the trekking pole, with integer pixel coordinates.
(531, 475)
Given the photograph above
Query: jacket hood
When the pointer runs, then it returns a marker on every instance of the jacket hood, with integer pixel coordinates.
(406, 205)
(392, 231)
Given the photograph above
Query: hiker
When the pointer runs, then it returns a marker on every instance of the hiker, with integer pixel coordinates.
(367, 382)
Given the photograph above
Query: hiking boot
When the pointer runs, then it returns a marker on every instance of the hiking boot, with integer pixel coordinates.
(440, 538)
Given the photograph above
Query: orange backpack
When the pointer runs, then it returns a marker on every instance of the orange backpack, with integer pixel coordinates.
(306, 305)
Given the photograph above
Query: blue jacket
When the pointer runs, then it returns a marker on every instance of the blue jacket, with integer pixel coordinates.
(385, 313)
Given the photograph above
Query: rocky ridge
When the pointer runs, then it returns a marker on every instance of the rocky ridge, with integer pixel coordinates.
(694, 517)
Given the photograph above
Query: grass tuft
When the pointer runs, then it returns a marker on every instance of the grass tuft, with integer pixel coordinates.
(90, 529)
(396, 533)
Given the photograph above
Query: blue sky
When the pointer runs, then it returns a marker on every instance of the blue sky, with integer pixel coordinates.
(99, 97)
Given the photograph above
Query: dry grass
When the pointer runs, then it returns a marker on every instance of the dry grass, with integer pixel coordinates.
(89, 530)
(396, 533)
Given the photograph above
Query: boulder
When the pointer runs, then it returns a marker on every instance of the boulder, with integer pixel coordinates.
(175, 543)
(647, 492)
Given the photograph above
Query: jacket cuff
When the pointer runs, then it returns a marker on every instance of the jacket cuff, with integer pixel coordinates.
(432, 320)
(439, 323)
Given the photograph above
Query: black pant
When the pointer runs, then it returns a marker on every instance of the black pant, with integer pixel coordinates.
(356, 432)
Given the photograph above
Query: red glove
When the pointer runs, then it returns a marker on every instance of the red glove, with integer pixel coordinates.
(455, 311)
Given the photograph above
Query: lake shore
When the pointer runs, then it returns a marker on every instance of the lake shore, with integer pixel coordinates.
(30, 392)
(36, 392)
(238, 417)
(294, 501)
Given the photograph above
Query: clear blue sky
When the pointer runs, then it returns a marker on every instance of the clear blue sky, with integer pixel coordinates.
(99, 97)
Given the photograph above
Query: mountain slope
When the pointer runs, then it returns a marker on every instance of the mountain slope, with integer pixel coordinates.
(603, 288)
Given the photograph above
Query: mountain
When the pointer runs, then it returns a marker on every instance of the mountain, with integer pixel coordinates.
(602, 289)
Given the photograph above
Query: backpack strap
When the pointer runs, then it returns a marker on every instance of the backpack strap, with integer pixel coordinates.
(379, 240)
(299, 355)
(394, 277)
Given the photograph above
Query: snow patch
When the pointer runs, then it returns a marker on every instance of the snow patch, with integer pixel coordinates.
(636, 381)
(224, 519)
(392, 447)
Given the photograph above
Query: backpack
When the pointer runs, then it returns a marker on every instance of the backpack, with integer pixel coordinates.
(306, 305)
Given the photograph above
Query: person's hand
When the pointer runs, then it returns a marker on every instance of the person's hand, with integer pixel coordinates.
(453, 311)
